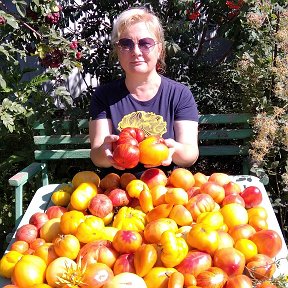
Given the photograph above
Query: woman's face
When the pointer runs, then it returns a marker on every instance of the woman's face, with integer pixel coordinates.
(134, 60)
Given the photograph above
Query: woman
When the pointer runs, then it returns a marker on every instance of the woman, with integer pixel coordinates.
(143, 98)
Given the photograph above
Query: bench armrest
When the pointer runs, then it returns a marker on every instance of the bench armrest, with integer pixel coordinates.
(20, 179)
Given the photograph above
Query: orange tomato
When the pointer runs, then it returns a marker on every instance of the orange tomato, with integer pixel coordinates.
(219, 178)
(158, 194)
(213, 189)
(176, 196)
(258, 211)
(20, 246)
(145, 258)
(200, 179)
(258, 223)
(160, 211)
(67, 246)
(46, 252)
(181, 215)
(176, 280)
(158, 277)
(182, 178)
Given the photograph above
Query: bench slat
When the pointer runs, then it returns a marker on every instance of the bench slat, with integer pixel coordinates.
(225, 118)
(223, 150)
(62, 139)
(61, 154)
(225, 134)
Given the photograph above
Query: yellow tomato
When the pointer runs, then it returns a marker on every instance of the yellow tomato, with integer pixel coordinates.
(214, 219)
(247, 247)
(90, 229)
(203, 238)
(82, 195)
(135, 187)
(61, 198)
(28, 271)
(70, 221)
(129, 218)
(108, 233)
(158, 277)
(234, 214)
(85, 176)
(258, 211)
(8, 262)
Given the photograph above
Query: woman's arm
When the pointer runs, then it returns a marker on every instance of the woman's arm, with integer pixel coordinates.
(184, 148)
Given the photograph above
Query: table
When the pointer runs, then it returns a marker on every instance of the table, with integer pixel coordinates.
(42, 200)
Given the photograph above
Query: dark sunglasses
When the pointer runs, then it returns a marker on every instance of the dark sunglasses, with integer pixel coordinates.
(128, 45)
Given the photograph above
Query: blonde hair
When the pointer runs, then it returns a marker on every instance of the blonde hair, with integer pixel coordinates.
(136, 15)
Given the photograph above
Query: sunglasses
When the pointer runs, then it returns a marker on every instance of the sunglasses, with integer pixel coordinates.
(145, 45)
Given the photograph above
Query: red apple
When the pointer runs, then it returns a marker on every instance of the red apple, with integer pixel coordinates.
(55, 211)
(229, 259)
(153, 177)
(268, 242)
(126, 155)
(100, 251)
(127, 241)
(252, 196)
(100, 205)
(38, 219)
(194, 263)
(119, 197)
(124, 263)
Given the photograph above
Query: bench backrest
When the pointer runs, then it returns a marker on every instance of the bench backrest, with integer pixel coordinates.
(219, 135)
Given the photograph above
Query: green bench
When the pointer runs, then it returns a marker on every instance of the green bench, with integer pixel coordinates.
(219, 135)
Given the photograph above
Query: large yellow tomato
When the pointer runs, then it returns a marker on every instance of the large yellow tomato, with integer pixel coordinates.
(90, 229)
(129, 218)
(70, 221)
(8, 262)
(28, 271)
(82, 195)
(158, 277)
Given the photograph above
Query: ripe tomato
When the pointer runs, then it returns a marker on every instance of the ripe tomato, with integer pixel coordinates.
(61, 198)
(239, 281)
(181, 178)
(153, 151)
(90, 229)
(100, 205)
(126, 155)
(82, 195)
(59, 268)
(144, 259)
(213, 277)
(20, 246)
(27, 232)
(252, 196)
(136, 133)
(85, 176)
(70, 221)
(29, 270)
(8, 262)
(96, 275)
(67, 246)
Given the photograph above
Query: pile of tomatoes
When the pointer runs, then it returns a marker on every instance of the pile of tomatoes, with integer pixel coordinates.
(182, 230)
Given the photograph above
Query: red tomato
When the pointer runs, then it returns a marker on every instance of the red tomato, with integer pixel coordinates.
(38, 219)
(96, 275)
(27, 232)
(213, 277)
(125, 138)
(119, 197)
(252, 196)
(136, 133)
(100, 205)
(126, 155)
(239, 281)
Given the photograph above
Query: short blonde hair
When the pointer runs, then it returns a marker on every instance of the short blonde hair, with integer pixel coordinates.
(136, 15)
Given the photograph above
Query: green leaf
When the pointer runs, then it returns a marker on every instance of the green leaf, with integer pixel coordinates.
(3, 84)
(21, 6)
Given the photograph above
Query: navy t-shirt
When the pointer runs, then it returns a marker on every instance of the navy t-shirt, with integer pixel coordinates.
(173, 102)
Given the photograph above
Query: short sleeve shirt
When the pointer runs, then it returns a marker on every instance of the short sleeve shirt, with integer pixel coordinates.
(172, 102)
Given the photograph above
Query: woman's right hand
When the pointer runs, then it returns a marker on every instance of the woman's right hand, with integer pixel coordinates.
(107, 147)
